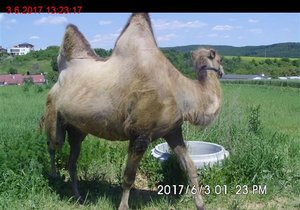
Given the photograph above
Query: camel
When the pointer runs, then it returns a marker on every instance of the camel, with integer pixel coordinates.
(136, 94)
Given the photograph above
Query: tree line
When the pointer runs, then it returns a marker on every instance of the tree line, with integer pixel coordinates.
(280, 50)
(182, 60)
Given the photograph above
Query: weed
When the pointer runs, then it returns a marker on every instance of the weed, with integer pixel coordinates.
(39, 88)
(254, 121)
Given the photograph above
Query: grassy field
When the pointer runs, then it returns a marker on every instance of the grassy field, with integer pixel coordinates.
(259, 125)
(250, 58)
(23, 65)
(294, 83)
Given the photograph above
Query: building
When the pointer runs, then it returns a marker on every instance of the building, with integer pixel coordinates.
(20, 49)
(2, 50)
(244, 77)
(19, 79)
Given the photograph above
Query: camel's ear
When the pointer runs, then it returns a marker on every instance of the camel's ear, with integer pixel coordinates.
(212, 53)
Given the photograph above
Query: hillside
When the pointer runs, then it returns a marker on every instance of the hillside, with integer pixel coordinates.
(234, 60)
(280, 50)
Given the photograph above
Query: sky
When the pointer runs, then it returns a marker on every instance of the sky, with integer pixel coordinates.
(170, 29)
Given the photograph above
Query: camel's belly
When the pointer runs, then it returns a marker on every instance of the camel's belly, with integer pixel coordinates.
(101, 121)
(100, 127)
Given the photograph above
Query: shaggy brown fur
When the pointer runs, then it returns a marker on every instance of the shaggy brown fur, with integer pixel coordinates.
(136, 94)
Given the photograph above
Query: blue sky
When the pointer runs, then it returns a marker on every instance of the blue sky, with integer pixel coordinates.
(170, 29)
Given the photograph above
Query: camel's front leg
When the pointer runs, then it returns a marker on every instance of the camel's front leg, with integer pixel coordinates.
(175, 141)
(136, 150)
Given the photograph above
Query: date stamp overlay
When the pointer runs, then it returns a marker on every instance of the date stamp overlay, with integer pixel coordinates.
(46, 9)
(209, 190)
(37, 7)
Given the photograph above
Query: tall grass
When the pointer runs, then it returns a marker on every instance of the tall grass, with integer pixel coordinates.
(257, 125)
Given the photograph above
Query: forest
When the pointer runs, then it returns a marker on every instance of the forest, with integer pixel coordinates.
(281, 50)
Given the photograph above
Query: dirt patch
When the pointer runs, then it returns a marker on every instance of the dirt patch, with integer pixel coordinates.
(141, 182)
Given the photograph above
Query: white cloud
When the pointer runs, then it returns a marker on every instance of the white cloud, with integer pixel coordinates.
(53, 20)
(256, 30)
(222, 28)
(215, 35)
(105, 22)
(166, 37)
(175, 24)
(9, 23)
(104, 38)
(119, 30)
(253, 21)
(34, 37)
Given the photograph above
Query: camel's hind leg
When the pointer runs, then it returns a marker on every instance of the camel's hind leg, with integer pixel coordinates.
(175, 141)
(136, 150)
(75, 137)
(54, 172)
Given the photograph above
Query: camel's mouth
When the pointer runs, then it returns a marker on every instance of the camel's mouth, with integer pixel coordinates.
(219, 71)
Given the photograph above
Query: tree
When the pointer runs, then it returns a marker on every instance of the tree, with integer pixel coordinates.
(296, 63)
(268, 61)
(12, 71)
(285, 60)
(54, 64)
(103, 53)
(52, 77)
(35, 67)
(253, 62)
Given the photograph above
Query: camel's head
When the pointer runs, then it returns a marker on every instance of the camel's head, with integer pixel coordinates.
(207, 59)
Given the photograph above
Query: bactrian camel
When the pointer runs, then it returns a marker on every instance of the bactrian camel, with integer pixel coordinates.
(136, 94)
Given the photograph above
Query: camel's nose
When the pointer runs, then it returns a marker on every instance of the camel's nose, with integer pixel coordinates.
(221, 71)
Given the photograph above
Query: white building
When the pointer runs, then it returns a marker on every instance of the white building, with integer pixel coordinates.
(20, 49)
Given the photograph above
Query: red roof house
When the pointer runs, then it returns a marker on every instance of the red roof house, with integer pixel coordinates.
(18, 79)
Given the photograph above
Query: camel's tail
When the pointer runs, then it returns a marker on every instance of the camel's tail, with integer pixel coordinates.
(41, 124)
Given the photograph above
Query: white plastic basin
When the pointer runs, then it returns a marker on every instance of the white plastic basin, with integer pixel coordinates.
(202, 153)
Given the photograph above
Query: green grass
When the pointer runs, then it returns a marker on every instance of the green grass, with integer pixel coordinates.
(257, 124)
(280, 106)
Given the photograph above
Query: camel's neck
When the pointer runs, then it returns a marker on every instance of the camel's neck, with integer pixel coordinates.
(199, 101)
